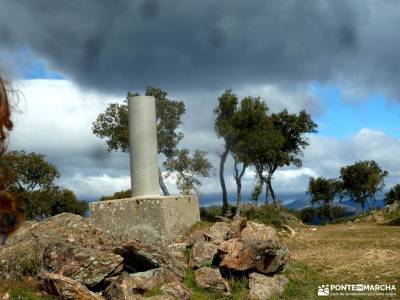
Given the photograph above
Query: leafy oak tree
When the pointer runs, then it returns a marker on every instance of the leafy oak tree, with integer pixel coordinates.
(362, 180)
(287, 140)
(323, 191)
(31, 179)
(187, 169)
(112, 125)
(225, 110)
(393, 195)
(249, 122)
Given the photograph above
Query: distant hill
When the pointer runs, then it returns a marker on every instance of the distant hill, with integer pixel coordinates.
(348, 204)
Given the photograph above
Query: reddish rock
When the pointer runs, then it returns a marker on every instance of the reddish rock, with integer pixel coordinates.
(244, 255)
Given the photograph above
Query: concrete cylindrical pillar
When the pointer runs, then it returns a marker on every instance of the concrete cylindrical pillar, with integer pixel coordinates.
(143, 146)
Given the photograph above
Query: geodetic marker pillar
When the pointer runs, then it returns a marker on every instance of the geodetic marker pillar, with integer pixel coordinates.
(143, 146)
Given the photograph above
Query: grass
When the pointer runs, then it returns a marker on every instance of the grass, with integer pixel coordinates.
(22, 290)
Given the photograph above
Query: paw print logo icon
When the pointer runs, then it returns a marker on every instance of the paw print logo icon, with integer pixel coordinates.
(323, 290)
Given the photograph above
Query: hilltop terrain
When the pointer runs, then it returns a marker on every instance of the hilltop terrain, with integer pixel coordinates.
(363, 249)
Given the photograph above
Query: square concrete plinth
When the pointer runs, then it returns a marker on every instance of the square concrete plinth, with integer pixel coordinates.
(146, 218)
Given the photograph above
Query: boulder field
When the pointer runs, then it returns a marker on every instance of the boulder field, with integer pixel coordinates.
(72, 259)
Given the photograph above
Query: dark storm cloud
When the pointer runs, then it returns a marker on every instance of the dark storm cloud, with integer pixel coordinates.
(178, 45)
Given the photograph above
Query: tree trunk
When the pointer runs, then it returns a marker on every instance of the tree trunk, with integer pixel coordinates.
(225, 204)
(330, 212)
(162, 184)
(271, 191)
(266, 194)
(238, 179)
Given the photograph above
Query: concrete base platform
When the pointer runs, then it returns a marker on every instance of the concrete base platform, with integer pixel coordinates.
(147, 218)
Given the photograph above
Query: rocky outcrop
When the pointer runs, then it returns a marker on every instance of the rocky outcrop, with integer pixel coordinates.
(73, 259)
(74, 256)
(264, 287)
(240, 247)
(211, 279)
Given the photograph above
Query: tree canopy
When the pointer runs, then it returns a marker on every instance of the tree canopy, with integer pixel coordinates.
(31, 179)
(362, 180)
(283, 145)
(324, 191)
(27, 171)
(188, 169)
(393, 195)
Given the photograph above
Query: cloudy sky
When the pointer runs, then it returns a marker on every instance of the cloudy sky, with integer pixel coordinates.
(339, 60)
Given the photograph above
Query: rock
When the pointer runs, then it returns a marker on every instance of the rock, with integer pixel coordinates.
(202, 254)
(196, 236)
(218, 232)
(120, 288)
(265, 256)
(289, 229)
(139, 257)
(85, 265)
(236, 227)
(177, 251)
(209, 278)
(145, 281)
(177, 290)
(23, 253)
(69, 245)
(391, 207)
(256, 231)
(264, 287)
(65, 288)
(127, 285)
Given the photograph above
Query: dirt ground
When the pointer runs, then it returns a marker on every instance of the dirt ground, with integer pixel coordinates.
(363, 252)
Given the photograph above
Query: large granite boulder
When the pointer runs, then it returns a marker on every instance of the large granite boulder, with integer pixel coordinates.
(84, 257)
(264, 256)
(85, 265)
(264, 287)
(32, 249)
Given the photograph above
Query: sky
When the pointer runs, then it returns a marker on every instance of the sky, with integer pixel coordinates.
(338, 60)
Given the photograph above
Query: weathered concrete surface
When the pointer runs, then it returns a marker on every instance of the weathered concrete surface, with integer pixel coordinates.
(147, 218)
(143, 146)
